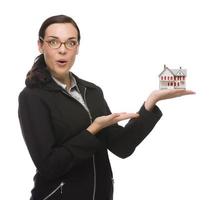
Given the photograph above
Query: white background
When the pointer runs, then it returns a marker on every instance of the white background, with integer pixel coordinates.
(123, 48)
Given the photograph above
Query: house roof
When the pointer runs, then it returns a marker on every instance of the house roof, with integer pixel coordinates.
(175, 72)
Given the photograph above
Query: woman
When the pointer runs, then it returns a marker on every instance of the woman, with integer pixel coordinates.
(67, 124)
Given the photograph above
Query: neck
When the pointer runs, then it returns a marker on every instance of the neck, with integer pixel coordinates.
(64, 79)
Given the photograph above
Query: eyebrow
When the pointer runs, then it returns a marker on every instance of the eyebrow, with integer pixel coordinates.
(58, 37)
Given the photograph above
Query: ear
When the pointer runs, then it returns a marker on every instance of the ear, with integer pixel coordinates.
(40, 46)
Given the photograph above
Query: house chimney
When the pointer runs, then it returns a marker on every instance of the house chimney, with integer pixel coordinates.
(164, 66)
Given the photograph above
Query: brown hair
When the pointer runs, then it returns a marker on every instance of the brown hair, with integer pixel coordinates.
(39, 74)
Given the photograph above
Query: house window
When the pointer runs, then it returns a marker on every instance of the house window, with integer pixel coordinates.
(164, 77)
(161, 78)
(171, 78)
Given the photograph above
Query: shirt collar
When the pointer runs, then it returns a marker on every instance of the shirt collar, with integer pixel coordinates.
(73, 82)
(52, 85)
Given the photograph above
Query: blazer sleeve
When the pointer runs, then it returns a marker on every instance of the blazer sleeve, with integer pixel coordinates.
(51, 160)
(122, 141)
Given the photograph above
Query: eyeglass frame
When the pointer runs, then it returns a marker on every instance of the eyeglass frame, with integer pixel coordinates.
(64, 43)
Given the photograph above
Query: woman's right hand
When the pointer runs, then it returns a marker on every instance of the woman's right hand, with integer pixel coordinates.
(158, 95)
(107, 120)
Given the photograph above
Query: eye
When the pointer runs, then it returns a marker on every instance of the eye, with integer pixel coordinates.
(53, 42)
(71, 43)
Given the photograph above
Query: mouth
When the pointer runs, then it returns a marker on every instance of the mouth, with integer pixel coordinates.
(61, 62)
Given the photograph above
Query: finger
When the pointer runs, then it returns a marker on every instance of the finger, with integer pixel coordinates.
(112, 116)
(186, 92)
(127, 116)
(130, 115)
(181, 92)
(190, 92)
(120, 113)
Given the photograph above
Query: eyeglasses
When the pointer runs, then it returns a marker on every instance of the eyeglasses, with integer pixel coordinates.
(56, 43)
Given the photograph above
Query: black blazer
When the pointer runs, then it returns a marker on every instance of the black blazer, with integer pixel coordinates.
(71, 162)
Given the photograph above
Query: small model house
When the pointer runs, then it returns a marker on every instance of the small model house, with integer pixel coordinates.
(172, 78)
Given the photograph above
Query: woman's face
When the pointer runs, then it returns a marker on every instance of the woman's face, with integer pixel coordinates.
(59, 60)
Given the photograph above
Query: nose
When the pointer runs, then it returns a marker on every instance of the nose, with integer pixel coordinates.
(62, 49)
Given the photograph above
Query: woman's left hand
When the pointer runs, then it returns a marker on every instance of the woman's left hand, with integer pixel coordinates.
(107, 120)
(158, 95)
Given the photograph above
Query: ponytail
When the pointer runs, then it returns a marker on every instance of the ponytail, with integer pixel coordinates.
(39, 74)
